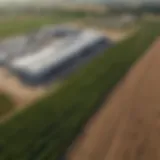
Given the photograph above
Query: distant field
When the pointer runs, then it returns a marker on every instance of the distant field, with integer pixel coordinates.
(46, 129)
(109, 22)
(17, 25)
(13, 25)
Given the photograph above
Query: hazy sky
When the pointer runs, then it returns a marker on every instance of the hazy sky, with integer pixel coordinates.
(2, 2)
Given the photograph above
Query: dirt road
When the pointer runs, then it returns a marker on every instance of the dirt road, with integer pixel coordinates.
(128, 125)
(21, 94)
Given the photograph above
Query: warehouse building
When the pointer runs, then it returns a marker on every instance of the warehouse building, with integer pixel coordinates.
(31, 42)
(11, 47)
(39, 66)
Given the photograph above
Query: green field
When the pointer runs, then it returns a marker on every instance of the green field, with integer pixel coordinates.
(13, 25)
(6, 105)
(46, 129)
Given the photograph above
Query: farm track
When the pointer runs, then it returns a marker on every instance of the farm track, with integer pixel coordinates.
(128, 125)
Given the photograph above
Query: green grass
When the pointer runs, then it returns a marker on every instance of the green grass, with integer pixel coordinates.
(6, 105)
(47, 128)
(23, 24)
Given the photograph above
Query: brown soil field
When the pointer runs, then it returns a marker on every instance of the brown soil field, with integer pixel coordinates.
(115, 35)
(127, 127)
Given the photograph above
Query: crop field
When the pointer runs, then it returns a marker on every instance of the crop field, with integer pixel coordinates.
(14, 25)
(47, 128)
(6, 105)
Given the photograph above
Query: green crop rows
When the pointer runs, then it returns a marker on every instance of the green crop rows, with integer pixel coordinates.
(47, 128)
(6, 105)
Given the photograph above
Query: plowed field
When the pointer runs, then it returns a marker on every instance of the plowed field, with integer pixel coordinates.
(128, 125)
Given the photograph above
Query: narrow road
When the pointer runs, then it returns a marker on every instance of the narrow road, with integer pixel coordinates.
(128, 125)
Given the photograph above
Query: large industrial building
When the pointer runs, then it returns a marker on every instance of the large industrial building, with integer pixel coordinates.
(49, 52)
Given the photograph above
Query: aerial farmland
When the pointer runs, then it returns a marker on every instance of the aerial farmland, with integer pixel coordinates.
(54, 76)
(29, 62)
(25, 49)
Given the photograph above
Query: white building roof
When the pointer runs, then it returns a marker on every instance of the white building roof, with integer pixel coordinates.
(55, 53)
(33, 57)
(3, 56)
(34, 43)
(14, 44)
